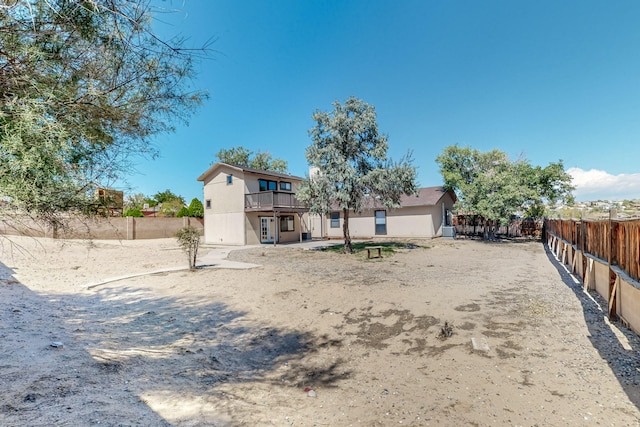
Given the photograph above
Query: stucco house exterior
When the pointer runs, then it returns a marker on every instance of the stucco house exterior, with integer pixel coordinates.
(425, 215)
(244, 206)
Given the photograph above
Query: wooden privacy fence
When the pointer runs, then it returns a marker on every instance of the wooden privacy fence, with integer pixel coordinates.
(473, 225)
(605, 254)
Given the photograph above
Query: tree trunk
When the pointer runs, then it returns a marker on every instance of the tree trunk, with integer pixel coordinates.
(194, 255)
(345, 231)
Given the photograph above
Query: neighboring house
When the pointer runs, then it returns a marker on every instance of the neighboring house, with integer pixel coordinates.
(244, 206)
(421, 216)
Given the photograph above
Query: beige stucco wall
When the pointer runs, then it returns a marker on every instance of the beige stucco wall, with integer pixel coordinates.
(225, 218)
(406, 222)
(252, 228)
(225, 228)
(252, 224)
(225, 198)
(114, 228)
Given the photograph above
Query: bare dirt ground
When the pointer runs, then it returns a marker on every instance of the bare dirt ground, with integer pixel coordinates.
(309, 338)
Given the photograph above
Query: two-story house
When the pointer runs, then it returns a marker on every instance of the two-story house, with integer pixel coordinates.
(244, 206)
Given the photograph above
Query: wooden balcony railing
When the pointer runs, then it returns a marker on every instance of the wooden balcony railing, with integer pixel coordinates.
(269, 200)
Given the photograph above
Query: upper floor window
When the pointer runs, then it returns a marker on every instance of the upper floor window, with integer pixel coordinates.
(266, 185)
(229, 179)
(207, 203)
(285, 186)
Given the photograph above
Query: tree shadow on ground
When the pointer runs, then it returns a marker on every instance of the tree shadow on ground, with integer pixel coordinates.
(124, 343)
(622, 353)
(499, 239)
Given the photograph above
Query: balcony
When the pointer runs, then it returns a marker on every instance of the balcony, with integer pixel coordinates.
(273, 201)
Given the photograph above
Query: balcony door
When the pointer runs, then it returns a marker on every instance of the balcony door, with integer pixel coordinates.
(267, 229)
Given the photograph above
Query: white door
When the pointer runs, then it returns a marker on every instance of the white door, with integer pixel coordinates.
(267, 229)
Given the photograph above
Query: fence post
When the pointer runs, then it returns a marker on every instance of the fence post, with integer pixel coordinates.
(131, 232)
(612, 259)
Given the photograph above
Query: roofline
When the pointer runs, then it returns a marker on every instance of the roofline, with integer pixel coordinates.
(246, 170)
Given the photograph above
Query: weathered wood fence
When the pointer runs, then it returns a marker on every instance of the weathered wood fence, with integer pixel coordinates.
(473, 225)
(605, 254)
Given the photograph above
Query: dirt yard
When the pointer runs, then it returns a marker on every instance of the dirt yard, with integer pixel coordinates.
(308, 338)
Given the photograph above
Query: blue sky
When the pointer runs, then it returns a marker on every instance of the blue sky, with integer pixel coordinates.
(546, 80)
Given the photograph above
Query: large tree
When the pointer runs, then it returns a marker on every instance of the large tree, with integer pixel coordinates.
(84, 85)
(352, 165)
(241, 156)
(495, 188)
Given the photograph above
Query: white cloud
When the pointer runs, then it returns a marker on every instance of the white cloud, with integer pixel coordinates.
(596, 184)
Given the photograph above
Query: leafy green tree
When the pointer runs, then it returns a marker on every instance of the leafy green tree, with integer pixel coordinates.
(490, 185)
(184, 211)
(351, 158)
(196, 209)
(243, 157)
(237, 156)
(172, 207)
(134, 201)
(84, 87)
(167, 196)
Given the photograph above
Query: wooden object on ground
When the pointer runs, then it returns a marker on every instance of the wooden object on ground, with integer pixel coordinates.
(374, 248)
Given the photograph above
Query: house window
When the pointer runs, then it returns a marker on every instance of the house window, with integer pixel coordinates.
(229, 179)
(381, 222)
(266, 185)
(285, 186)
(335, 219)
(286, 223)
(207, 203)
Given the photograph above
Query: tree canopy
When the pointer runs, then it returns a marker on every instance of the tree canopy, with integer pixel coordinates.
(171, 204)
(490, 185)
(84, 86)
(353, 169)
(262, 160)
(195, 209)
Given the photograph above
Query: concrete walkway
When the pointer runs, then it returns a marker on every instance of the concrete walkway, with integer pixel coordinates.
(216, 257)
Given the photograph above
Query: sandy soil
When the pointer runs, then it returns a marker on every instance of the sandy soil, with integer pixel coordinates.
(309, 338)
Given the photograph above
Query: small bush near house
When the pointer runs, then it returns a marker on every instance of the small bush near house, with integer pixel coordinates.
(189, 240)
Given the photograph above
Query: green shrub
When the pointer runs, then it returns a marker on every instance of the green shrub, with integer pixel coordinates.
(196, 209)
(135, 212)
(189, 240)
(184, 211)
